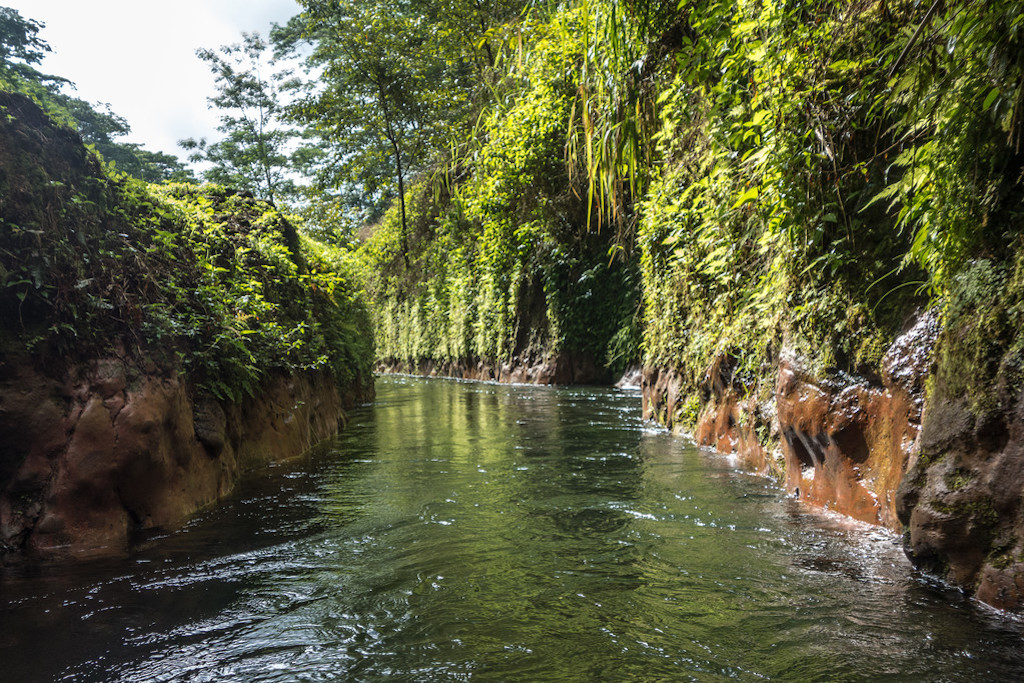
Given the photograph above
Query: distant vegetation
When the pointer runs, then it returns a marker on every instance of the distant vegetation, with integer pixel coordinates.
(21, 51)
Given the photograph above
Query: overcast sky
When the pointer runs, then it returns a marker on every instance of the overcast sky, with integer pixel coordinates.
(139, 56)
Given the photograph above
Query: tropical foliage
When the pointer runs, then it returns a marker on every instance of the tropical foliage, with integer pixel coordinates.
(503, 265)
(206, 281)
(674, 182)
(828, 168)
(254, 154)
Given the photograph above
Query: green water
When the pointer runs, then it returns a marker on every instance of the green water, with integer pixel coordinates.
(461, 531)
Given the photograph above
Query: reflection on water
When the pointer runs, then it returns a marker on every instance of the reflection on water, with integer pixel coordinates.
(463, 530)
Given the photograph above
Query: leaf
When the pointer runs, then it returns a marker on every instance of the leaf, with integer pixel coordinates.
(747, 196)
(990, 98)
(746, 28)
(845, 65)
(755, 157)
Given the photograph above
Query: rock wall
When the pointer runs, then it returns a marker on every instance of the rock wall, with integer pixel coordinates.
(949, 478)
(110, 449)
(726, 418)
(843, 442)
(962, 501)
(557, 368)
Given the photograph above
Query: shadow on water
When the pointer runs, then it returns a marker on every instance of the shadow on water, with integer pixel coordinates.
(461, 530)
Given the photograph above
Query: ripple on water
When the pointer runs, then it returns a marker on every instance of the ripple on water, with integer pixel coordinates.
(460, 531)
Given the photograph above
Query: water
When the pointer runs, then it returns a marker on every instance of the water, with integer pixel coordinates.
(464, 531)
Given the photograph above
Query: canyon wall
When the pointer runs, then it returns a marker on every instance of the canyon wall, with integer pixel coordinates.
(842, 442)
(927, 464)
(112, 449)
(563, 367)
(155, 340)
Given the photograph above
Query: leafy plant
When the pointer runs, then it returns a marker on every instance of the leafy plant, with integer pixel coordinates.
(206, 281)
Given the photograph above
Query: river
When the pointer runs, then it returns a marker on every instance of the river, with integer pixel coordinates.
(461, 531)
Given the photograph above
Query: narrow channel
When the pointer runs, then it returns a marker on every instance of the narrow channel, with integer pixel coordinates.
(475, 531)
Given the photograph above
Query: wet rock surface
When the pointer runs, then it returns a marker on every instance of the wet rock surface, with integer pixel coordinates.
(555, 368)
(728, 419)
(962, 499)
(844, 442)
(108, 451)
(963, 504)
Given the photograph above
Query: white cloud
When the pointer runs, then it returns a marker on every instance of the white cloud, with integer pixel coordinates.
(139, 56)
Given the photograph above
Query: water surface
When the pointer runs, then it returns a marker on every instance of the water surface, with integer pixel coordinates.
(461, 531)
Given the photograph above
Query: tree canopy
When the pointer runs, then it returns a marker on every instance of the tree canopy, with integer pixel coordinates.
(254, 154)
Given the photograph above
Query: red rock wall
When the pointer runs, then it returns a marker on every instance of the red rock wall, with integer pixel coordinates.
(89, 460)
(558, 368)
(726, 421)
(844, 443)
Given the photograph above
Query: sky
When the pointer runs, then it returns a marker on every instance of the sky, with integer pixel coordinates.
(139, 56)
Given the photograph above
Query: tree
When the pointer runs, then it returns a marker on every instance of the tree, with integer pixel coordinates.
(386, 93)
(100, 126)
(20, 49)
(254, 153)
(19, 38)
(474, 29)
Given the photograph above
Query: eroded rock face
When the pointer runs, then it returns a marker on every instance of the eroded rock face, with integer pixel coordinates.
(844, 442)
(110, 450)
(728, 419)
(963, 503)
(557, 368)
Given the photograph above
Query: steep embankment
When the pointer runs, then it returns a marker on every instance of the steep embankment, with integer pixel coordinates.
(841, 441)
(823, 202)
(962, 499)
(831, 268)
(502, 279)
(155, 341)
(776, 287)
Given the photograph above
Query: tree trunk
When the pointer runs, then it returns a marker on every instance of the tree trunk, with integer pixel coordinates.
(393, 139)
(401, 202)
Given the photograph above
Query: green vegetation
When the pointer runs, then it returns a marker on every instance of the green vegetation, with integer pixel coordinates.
(760, 234)
(698, 185)
(687, 183)
(501, 264)
(253, 156)
(208, 281)
(201, 280)
(788, 178)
